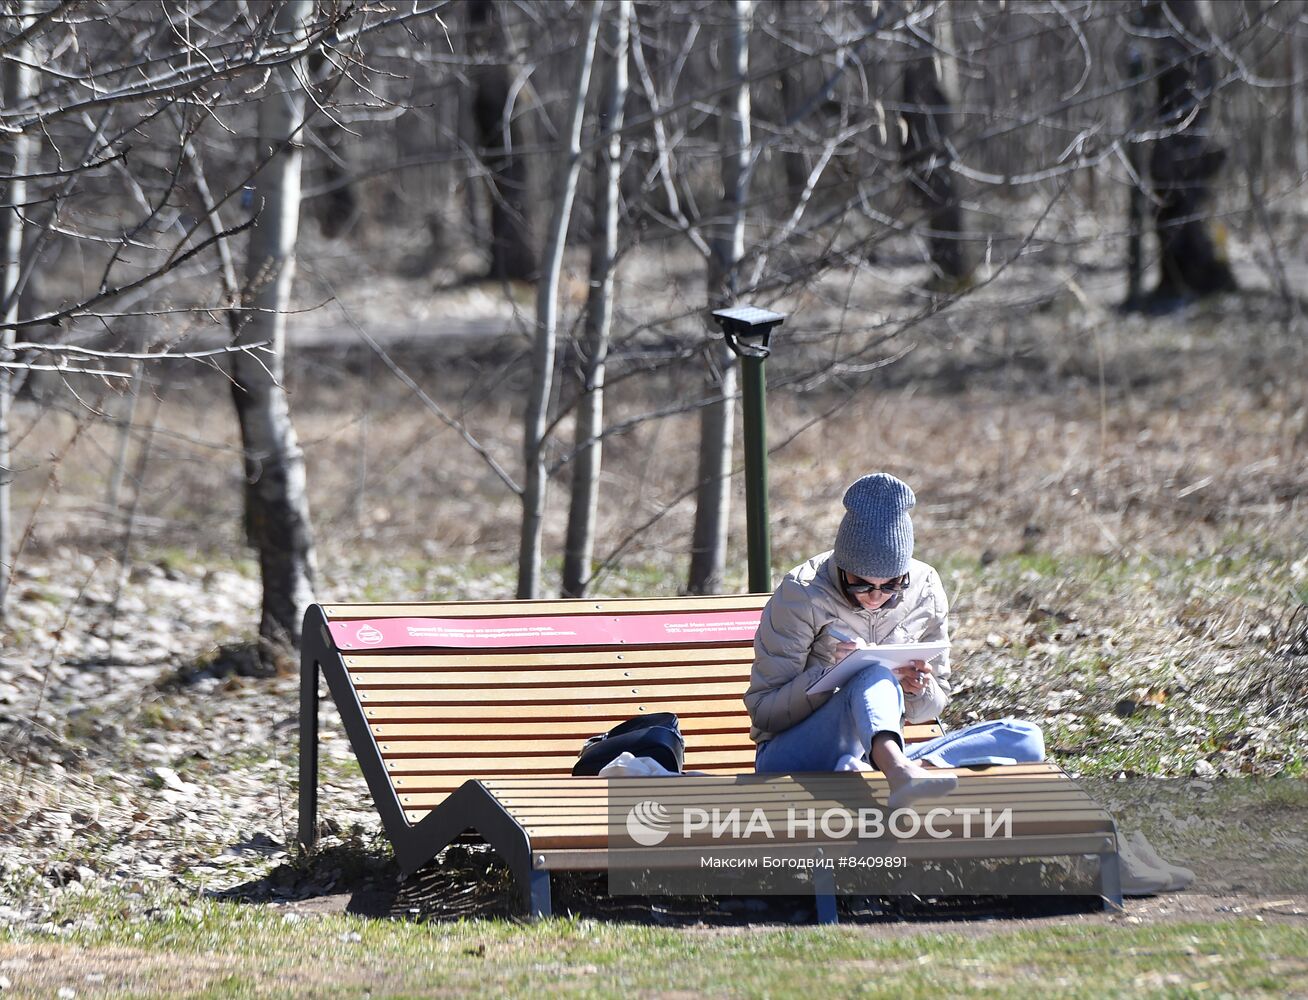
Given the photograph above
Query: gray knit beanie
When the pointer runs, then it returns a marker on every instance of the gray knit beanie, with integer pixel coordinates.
(875, 540)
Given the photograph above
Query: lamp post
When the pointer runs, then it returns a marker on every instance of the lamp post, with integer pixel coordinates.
(747, 330)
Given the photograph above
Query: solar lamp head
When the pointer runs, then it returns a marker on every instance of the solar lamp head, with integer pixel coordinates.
(748, 329)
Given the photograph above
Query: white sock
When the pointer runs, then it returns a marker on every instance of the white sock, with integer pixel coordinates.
(921, 788)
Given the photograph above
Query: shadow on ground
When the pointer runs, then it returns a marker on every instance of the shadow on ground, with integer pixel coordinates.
(467, 881)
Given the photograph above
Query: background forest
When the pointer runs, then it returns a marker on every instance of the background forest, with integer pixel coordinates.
(323, 300)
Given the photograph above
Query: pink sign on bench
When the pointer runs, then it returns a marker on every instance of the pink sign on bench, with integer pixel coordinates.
(572, 630)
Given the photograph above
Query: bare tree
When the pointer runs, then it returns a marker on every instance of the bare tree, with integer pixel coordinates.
(276, 501)
(1297, 64)
(535, 479)
(1185, 158)
(174, 84)
(926, 153)
(708, 553)
(579, 548)
(1134, 59)
(16, 90)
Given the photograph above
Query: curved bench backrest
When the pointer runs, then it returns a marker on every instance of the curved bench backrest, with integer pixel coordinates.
(454, 691)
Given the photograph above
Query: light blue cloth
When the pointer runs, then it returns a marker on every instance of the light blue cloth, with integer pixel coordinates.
(870, 702)
(1014, 740)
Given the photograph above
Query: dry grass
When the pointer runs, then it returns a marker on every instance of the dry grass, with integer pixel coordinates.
(1013, 443)
(1118, 504)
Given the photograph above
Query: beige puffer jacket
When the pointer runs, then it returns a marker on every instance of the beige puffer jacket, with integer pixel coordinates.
(793, 646)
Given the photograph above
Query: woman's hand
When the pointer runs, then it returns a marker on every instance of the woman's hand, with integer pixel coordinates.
(914, 676)
(843, 649)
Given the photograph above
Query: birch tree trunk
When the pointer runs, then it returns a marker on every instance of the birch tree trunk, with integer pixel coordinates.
(543, 351)
(17, 85)
(708, 555)
(276, 502)
(583, 511)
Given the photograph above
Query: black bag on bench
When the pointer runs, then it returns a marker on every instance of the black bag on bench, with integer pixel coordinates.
(657, 735)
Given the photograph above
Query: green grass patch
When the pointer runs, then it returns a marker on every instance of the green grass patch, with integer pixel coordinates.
(230, 950)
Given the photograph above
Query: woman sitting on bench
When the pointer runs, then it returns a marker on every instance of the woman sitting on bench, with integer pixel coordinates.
(869, 587)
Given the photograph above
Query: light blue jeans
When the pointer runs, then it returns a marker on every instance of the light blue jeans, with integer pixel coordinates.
(871, 702)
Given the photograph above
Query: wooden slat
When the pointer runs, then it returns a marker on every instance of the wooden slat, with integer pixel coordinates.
(557, 658)
(556, 764)
(1025, 824)
(419, 791)
(569, 785)
(1035, 788)
(616, 711)
(511, 609)
(570, 696)
(1003, 771)
(1074, 815)
(780, 816)
(738, 673)
(1049, 798)
(518, 744)
(444, 783)
(735, 760)
(418, 802)
(1031, 785)
(563, 785)
(1048, 845)
(693, 728)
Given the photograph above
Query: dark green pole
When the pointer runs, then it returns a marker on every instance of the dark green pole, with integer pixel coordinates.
(755, 388)
(747, 330)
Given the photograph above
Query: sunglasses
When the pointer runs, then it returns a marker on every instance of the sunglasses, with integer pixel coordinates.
(895, 586)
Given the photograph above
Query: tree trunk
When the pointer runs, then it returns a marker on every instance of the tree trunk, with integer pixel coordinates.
(547, 288)
(584, 507)
(927, 158)
(1136, 195)
(1193, 261)
(338, 205)
(17, 85)
(1298, 102)
(276, 502)
(794, 161)
(708, 556)
(512, 242)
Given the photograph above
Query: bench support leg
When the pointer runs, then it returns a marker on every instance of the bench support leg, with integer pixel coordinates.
(824, 895)
(1110, 881)
(308, 825)
(536, 894)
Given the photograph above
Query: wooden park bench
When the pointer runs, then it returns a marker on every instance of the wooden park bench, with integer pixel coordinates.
(467, 717)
